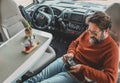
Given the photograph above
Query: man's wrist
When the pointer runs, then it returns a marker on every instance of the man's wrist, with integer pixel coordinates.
(71, 55)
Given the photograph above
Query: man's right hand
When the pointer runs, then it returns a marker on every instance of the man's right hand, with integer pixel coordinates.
(68, 55)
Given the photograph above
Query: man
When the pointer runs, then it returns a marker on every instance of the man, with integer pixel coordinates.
(94, 52)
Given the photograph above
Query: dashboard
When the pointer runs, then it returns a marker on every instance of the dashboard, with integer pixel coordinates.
(69, 17)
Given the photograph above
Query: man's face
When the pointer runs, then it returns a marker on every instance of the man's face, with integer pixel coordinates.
(96, 35)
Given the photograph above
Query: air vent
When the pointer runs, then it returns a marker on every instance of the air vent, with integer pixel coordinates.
(80, 10)
(66, 16)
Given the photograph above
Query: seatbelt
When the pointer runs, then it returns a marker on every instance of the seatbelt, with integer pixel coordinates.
(1, 39)
(2, 32)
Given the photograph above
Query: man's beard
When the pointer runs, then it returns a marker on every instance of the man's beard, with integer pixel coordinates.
(93, 40)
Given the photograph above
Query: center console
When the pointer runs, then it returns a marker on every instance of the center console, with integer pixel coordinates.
(75, 21)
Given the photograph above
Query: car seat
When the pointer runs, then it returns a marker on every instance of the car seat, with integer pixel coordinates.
(12, 22)
(114, 12)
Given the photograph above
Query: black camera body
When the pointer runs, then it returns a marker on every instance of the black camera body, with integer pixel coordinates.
(71, 62)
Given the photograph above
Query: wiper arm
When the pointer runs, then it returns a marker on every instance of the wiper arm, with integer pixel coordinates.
(41, 1)
(67, 2)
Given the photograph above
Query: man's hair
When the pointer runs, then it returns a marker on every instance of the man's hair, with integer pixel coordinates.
(101, 19)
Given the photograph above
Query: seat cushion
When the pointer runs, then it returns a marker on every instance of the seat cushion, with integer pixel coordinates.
(14, 29)
(46, 59)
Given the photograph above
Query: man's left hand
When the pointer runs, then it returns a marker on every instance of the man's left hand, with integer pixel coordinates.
(75, 69)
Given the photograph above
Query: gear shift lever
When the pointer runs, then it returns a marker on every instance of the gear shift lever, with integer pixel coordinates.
(62, 23)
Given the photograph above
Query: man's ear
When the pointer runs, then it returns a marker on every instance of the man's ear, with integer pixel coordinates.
(107, 30)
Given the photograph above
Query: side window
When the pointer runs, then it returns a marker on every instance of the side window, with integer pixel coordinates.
(24, 2)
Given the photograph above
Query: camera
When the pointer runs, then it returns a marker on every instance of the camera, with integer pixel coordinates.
(70, 61)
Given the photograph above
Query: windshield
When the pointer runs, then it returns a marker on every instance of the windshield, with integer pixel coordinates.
(24, 2)
(28, 2)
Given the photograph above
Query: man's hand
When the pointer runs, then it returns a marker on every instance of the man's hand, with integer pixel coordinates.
(75, 69)
(68, 55)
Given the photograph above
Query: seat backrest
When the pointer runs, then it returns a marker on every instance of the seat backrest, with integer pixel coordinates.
(11, 19)
(114, 12)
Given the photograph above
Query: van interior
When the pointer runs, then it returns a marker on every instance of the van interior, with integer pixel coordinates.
(59, 22)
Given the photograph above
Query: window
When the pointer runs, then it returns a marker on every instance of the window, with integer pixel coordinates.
(24, 2)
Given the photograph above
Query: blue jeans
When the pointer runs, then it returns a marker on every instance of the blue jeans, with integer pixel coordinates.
(53, 73)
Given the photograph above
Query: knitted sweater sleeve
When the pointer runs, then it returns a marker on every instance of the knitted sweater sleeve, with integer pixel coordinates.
(73, 45)
(109, 74)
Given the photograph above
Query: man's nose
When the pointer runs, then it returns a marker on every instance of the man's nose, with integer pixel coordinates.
(91, 35)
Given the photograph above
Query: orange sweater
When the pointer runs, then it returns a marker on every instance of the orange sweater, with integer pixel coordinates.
(99, 62)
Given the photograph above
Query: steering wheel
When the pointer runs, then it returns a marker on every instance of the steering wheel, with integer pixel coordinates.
(41, 19)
